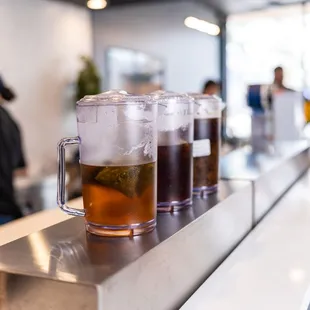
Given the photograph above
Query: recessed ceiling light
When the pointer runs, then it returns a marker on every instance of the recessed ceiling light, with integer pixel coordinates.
(96, 4)
(202, 25)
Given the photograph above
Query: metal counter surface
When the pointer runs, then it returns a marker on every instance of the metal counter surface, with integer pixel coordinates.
(270, 269)
(243, 164)
(159, 270)
(184, 249)
(271, 173)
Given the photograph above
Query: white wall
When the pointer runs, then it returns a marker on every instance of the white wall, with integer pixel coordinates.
(158, 29)
(41, 42)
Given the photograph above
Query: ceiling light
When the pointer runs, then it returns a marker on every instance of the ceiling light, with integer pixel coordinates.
(202, 25)
(96, 4)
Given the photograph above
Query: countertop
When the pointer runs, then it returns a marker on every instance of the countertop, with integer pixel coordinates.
(35, 222)
(271, 268)
(47, 263)
(72, 234)
(243, 164)
(148, 271)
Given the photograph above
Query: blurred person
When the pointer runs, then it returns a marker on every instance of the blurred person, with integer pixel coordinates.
(211, 88)
(11, 157)
(278, 85)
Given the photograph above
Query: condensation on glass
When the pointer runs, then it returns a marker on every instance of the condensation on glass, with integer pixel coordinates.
(118, 154)
(207, 142)
(175, 144)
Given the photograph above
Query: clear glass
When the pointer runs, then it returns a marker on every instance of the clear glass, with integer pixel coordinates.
(118, 153)
(207, 143)
(175, 144)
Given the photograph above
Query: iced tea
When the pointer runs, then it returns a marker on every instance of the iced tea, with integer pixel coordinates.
(174, 176)
(119, 196)
(206, 168)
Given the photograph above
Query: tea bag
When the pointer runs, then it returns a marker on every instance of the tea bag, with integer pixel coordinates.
(130, 181)
(146, 177)
(122, 179)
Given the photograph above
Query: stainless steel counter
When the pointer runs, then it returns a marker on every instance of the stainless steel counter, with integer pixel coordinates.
(270, 269)
(62, 267)
(271, 173)
(155, 271)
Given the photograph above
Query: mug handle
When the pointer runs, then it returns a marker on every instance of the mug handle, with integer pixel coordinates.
(61, 177)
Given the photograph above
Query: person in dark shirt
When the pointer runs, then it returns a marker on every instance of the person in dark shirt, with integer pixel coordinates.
(11, 158)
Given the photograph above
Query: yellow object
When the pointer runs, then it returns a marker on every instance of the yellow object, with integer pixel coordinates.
(307, 111)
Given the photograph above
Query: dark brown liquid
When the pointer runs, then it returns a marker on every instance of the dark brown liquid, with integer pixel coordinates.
(174, 173)
(119, 195)
(206, 168)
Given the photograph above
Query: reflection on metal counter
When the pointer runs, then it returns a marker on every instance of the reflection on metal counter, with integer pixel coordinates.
(271, 173)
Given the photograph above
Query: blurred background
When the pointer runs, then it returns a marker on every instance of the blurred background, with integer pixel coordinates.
(54, 52)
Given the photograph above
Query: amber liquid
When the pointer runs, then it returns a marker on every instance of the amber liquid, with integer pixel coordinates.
(206, 168)
(174, 173)
(307, 111)
(119, 195)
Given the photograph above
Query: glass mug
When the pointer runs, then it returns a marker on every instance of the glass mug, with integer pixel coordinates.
(175, 161)
(207, 143)
(118, 152)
